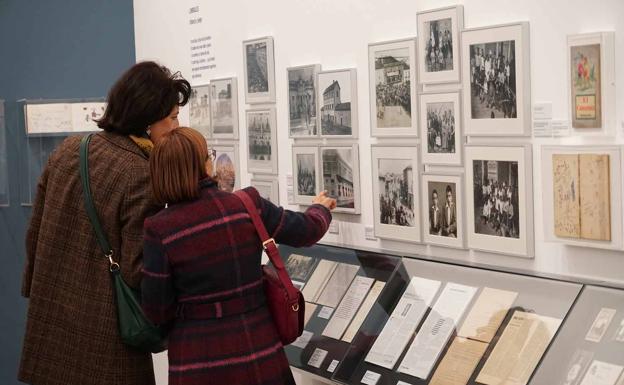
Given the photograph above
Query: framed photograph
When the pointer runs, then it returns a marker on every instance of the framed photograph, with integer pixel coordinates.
(391, 77)
(224, 108)
(268, 188)
(340, 168)
(443, 218)
(440, 125)
(591, 65)
(582, 191)
(499, 199)
(497, 80)
(438, 42)
(225, 166)
(302, 93)
(259, 62)
(306, 175)
(337, 103)
(395, 192)
(262, 140)
(199, 109)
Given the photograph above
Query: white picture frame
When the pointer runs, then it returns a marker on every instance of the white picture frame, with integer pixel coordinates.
(226, 159)
(606, 43)
(259, 87)
(303, 96)
(262, 184)
(299, 194)
(435, 108)
(489, 156)
(479, 106)
(429, 182)
(615, 194)
(199, 109)
(393, 162)
(262, 150)
(331, 161)
(391, 65)
(224, 108)
(453, 16)
(337, 111)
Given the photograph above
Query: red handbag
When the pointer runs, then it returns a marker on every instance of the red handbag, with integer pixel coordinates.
(285, 302)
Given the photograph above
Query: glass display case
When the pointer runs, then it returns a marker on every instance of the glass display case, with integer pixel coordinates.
(4, 169)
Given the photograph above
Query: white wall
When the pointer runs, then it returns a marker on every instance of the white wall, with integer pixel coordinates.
(336, 33)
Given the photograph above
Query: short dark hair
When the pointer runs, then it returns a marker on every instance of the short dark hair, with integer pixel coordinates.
(143, 95)
(449, 189)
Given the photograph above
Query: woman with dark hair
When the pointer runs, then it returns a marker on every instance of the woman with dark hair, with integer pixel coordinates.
(203, 278)
(72, 335)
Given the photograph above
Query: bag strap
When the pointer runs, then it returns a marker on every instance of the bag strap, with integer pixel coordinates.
(268, 244)
(90, 207)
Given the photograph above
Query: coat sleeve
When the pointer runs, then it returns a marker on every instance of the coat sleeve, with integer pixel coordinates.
(158, 296)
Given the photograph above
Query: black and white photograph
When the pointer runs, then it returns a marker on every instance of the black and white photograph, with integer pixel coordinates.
(438, 44)
(396, 192)
(438, 51)
(337, 103)
(262, 141)
(341, 177)
(199, 109)
(224, 108)
(442, 209)
(496, 198)
(300, 267)
(259, 70)
(302, 107)
(306, 174)
(440, 128)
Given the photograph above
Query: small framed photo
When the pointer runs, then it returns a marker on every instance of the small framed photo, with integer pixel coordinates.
(199, 109)
(268, 187)
(395, 192)
(497, 80)
(591, 65)
(337, 103)
(582, 191)
(262, 140)
(438, 42)
(224, 108)
(499, 192)
(306, 175)
(226, 166)
(444, 214)
(340, 169)
(391, 78)
(440, 124)
(259, 62)
(302, 101)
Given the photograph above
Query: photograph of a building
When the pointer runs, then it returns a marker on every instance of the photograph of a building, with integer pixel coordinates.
(396, 192)
(392, 88)
(199, 114)
(259, 130)
(336, 107)
(257, 67)
(338, 176)
(224, 112)
(306, 174)
(302, 100)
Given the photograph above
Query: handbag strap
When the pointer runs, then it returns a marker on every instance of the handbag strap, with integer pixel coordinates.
(268, 244)
(90, 207)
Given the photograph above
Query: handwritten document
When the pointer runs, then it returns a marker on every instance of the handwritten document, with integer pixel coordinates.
(48, 118)
(566, 195)
(360, 316)
(487, 314)
(459, 362)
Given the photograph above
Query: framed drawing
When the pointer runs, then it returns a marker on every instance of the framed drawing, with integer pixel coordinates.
(259, 62)
(438, 42)
(225, 166)
(268, 188)
(440, 125)
(499, 199)
(306, 175)
(302, 99)
(340, 169)
(497, 80)
(582, 190)
(443, 218)
(337, 103)
(199, 109)
(395, 192)
(591, 66)
(391, 76)
(224, 108)
(262, 140)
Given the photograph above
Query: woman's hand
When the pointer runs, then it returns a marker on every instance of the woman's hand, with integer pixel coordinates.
(323, 199)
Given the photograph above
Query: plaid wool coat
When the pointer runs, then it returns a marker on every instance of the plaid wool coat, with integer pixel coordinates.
(206, 254)
(71, 332)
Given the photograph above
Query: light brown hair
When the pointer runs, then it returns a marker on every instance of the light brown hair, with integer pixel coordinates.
(177, 164)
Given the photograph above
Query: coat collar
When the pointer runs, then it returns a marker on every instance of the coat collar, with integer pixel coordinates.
(123, 142)
(207, 182)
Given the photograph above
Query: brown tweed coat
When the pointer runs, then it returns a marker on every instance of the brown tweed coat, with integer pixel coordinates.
(71, 332)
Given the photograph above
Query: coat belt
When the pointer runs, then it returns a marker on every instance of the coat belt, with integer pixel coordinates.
(221, 309)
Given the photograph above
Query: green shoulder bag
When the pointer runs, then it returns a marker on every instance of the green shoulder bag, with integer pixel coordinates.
(135, 329)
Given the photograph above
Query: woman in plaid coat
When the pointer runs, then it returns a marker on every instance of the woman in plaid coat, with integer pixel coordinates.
(202, 272)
